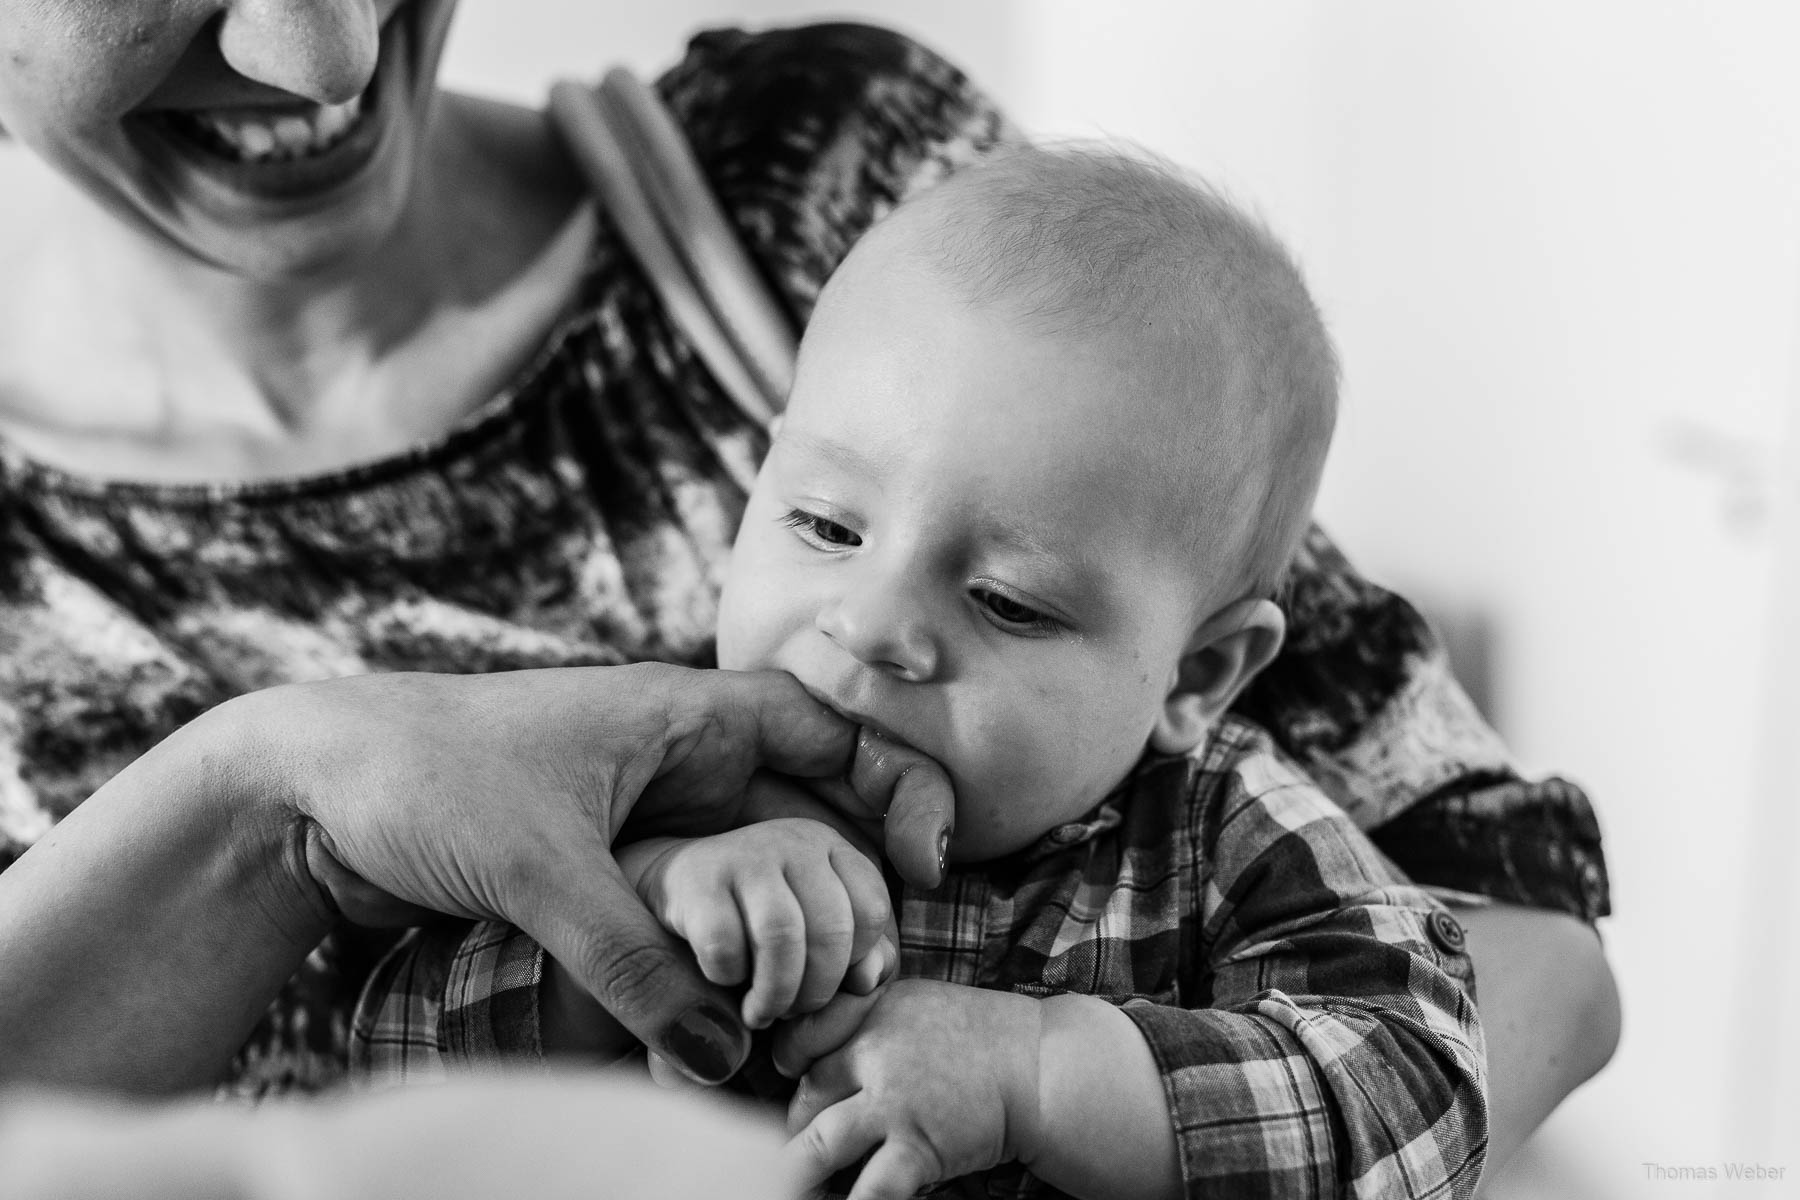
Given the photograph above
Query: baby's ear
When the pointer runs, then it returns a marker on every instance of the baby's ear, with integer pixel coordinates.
(1224, 654)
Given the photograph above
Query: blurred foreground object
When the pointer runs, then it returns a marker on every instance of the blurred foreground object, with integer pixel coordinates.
(546, 1137)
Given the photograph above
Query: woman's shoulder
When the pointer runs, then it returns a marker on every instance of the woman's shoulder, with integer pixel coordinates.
(811, 133)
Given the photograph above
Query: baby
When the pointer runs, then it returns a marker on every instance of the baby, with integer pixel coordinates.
(1055, 434)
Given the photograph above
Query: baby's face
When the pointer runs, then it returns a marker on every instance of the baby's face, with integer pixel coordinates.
(961, 539)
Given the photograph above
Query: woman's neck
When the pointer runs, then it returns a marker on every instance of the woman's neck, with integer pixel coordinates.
(154, 365)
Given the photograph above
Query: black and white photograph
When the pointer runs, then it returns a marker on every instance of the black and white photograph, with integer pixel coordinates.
(917, 598)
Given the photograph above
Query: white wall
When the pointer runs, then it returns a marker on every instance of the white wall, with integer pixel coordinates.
(1560, 246)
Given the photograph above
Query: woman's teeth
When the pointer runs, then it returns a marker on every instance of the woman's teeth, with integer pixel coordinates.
(279, 138)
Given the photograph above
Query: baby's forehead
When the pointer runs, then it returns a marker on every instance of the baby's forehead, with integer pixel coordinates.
(1105, 460)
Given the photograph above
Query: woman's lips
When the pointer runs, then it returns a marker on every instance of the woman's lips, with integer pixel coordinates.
(288, 152)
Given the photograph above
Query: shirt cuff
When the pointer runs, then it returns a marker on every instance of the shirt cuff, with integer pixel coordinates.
(491, 997)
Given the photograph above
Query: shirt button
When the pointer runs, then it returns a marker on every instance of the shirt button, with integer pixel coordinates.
(1446, 932)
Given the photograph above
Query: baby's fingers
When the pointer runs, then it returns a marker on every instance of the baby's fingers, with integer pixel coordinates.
(872, 969)
(831, 929)
(835, 1138)
(716, 936)
(777, 928)
(846, 1131)
(896, 1171)
(869, 907)
(803, 1041)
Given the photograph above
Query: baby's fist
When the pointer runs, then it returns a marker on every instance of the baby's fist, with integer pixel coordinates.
(787, 905)
(937, 1080)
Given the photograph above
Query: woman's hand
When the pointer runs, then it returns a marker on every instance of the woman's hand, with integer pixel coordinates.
(498, 797)
(145, 934)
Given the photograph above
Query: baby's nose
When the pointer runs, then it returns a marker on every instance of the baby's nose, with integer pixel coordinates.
(884, 628)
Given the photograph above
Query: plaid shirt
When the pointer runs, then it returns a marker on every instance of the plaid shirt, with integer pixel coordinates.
(1309, 1010)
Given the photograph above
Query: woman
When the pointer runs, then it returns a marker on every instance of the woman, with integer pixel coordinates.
(307, 369)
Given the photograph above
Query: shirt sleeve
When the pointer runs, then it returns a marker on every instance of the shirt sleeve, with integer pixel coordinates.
(1335, 1048)
(1362, 697)
(449, 995)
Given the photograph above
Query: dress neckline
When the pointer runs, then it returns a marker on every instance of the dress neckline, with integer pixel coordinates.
(476, 428)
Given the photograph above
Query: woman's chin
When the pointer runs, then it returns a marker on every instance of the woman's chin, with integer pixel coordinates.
(224, 189)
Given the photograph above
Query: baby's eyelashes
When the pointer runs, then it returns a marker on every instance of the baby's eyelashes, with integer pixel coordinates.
(820, 532)
(1013, 615)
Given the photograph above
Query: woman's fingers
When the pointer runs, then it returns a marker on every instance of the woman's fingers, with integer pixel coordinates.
(915, 794)
(670, 1078)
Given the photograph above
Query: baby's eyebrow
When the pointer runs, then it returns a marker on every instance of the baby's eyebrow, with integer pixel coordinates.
(1076, 580)
(851, 458)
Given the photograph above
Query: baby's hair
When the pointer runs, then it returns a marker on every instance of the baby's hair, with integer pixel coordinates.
(1100, 241)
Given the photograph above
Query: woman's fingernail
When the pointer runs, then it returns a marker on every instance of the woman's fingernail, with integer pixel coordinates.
(707, 1043)
(943, 848)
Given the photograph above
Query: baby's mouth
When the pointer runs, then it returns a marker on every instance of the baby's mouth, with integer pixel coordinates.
(856, 718)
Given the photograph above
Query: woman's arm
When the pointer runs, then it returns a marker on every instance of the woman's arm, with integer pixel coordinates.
(144, 935)
(1551, 1012)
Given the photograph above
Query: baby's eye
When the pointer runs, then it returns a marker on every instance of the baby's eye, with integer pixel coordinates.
(820, 531)
(1009, 614)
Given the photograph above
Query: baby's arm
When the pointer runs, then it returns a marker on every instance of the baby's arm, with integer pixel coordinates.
(1339, 1053)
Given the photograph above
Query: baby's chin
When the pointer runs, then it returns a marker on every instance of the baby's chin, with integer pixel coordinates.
(977, 841)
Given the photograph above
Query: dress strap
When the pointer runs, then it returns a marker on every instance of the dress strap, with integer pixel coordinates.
(645, 174)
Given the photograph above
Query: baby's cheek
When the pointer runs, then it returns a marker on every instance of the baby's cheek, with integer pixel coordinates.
(1024, 759)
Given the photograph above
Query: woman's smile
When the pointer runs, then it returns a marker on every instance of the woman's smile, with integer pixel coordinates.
(273, 140)
(279, 151)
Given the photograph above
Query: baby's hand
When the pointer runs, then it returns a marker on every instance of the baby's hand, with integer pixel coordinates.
(937, 1079)
(788, 905)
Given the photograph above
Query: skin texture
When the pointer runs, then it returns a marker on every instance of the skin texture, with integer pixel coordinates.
(155, 326)
(87, 78)
(785, 907)
(374, 796)
(169, 316)
(958, 519)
